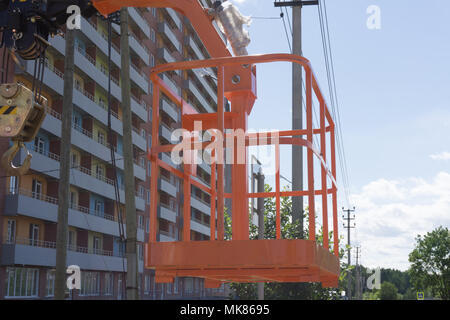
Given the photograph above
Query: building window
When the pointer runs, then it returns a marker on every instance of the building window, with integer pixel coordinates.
(152, 60)
(188, 285)
(36, 189)
(142, 160)
(101, 137)
(97, 245)
(74, 160)
(50, 283)
(140, 250)
(39, 145)
(147, 225)
(175, 286)
(90, 283)
(148, 196)
(22, 282)
(141, 192)
(98, 206)
(147, 284)
(139, 282)
(154, 12)
(99, 172)
(13, 184)
(73, 199)
(108, 286)
(152, 35)
(169, 288)
(149, 168)
(120, 289)
(11, 235)
(34, 234)
(71, 240)
(141, 222)
(78, 85)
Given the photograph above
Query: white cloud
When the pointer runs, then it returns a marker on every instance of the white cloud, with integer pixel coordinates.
(441, 156)
(391, 213)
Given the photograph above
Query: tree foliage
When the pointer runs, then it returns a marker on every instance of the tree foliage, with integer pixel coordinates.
(388, 291)
(430, 262)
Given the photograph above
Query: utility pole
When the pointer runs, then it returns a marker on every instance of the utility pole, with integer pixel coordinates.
(260, 209)
(297, 101)
(64, 172)
(348, 226)
(358, 289)
(130, 204)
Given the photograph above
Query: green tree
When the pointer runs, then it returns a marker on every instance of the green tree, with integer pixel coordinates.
(388, 291)
(430, 263)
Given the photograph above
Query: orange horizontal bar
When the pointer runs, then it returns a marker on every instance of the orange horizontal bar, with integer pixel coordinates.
(245, 60)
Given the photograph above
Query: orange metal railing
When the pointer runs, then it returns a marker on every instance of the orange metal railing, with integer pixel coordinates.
(219, 120)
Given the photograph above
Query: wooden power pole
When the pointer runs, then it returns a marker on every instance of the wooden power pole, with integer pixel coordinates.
(297, 101)
(130, 202)
(64, 169)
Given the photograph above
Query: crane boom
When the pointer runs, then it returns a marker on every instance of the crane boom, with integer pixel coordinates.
(192, 9)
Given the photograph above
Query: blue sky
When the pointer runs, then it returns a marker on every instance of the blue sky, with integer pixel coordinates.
(394, 96)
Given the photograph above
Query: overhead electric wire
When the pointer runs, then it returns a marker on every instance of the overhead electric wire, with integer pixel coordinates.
(326, 42)
(285, 30)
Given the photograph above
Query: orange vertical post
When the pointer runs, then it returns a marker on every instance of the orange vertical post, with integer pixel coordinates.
(187, 207)
(220, 161)
(212, 221)
(309, 129)
(239, 182)
(154, 165)
(334, 192)
(323, 151)
(277, 190)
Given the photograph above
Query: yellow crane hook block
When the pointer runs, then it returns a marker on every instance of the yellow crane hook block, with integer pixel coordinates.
(21, 116)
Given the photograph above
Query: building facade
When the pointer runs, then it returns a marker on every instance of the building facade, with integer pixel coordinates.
(29, 204)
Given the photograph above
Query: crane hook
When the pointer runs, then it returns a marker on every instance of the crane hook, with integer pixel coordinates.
(8, 157)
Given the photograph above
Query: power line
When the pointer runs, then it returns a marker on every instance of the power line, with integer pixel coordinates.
(329, 65)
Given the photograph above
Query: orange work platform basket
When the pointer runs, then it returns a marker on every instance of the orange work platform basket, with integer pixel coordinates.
(241, 260)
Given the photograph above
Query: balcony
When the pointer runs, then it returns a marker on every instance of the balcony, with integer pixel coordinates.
(140, 50)
(201, 78)
(172, 85)
(199, 96)
(167, 187)
(85, 141)
(200, 227)
(43, 253)
(166, 132)
(100, 42)
(173, 15)
(200, 205)
(165, 55)
(166, 237)
(27, 203)
(195, 48)
(81, 177)
(139, 108)
(169, 109)
(168, 35)
(140, 21)
(167, 213)
(139, 77)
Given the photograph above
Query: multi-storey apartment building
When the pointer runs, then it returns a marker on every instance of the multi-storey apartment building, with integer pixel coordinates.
(28, 204)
